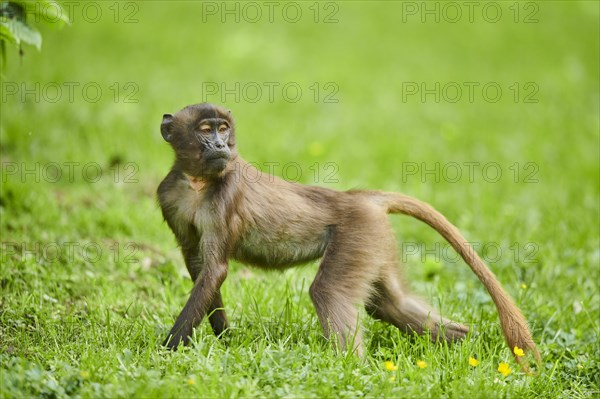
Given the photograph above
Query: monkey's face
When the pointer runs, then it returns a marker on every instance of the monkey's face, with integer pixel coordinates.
(202, 136)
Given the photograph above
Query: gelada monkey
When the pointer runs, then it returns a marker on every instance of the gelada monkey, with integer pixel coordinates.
(220, 207)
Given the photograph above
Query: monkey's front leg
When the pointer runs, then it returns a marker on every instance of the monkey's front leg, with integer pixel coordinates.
(205, 297)
(216, 312)
(216, 315)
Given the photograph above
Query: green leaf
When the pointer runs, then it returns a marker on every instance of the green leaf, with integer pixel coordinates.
(2, 54)
(22, 32)
(6, 34)
(12, 10)
(49, 11)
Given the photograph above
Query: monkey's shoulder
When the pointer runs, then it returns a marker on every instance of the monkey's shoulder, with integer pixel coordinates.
(180, 204)
(167, 186)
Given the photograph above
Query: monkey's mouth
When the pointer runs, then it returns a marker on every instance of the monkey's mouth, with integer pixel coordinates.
(218, 155)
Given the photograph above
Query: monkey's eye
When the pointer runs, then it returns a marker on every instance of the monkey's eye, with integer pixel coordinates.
(222, 128)
(205, 129)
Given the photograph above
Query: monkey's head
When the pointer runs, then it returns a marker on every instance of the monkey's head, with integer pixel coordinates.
(203, 137)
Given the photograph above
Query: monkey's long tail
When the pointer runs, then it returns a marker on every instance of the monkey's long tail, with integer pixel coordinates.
(514, 325)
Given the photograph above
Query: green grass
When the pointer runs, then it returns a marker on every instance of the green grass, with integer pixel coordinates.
(88, 322)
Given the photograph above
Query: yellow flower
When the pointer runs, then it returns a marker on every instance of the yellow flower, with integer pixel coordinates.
(518, 351)
(504, 369)
(422, 364)
(473, 362)
(84, 374)
(191, 381)
(523, 286)
(389, 366)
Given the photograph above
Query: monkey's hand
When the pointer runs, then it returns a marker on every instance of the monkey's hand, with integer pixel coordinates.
(180, 334)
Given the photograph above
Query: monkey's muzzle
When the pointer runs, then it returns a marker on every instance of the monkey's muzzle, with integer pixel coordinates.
(218, 155)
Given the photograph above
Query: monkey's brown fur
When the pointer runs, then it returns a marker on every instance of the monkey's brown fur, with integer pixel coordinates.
(221, 207)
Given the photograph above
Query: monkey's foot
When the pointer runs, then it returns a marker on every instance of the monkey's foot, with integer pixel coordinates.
(449, 330)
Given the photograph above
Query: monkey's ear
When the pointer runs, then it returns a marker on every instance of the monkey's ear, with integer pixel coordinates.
(165, 126)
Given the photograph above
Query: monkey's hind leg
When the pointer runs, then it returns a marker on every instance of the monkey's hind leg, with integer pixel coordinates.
(336, 298)
(345, 278)
(392, 303)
